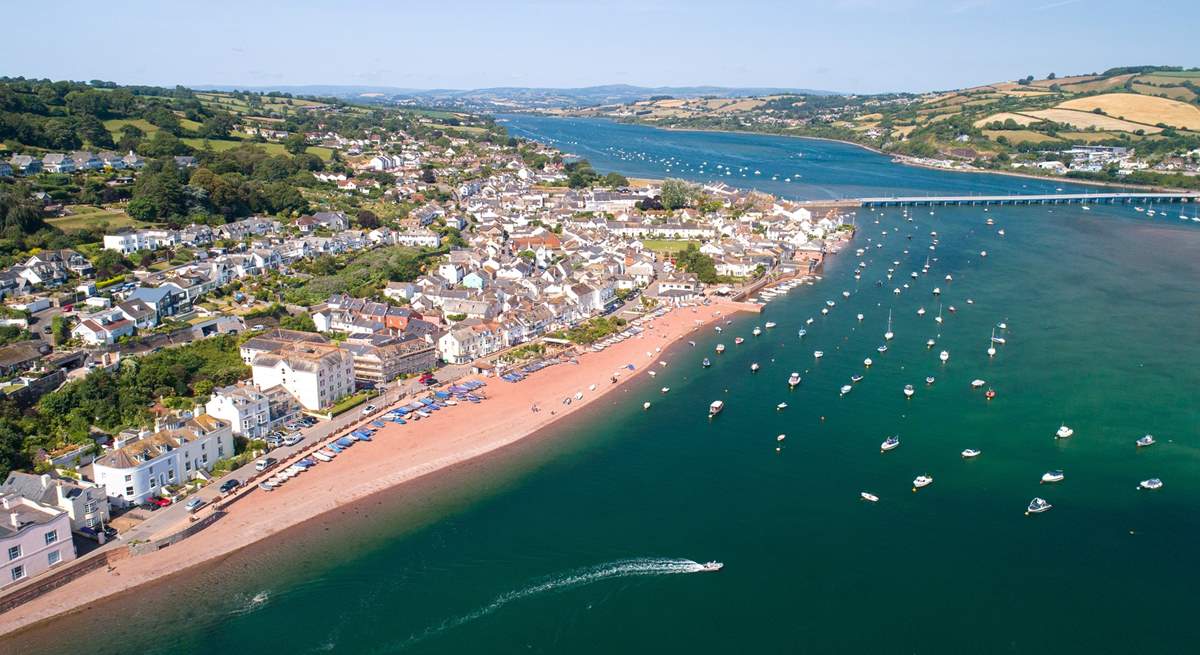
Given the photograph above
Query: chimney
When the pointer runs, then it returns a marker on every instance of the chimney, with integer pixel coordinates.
(45, 481)
(14, 519)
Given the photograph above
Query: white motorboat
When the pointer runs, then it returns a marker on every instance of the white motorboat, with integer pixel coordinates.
(1151, 484)
(818, 354)
(829, 303)
(711, 566)
(909, 391)
(949, 278)
(922, 481)
(991, 349)
(718, 328)
(1147, 440)
(757, 331)
(715, 408)
(921, 311)
(983, 253)
(891, 443)
(860, 318)
(856, 378)
(882, 348)
(652, 373)
(869, 497)
(781, 406)
(944, 356)
(931, 343)
(846, 389)
(845, 294)
(1002, 326)
(769, 325)
(808, 321)
(1038, 505)
(1064, 432)
(976, 383)
(937, 291)
(793, 379)
(1053, 476)
(970, 453)
(665, 389)
(867, 362)
(754, 367)
(781, 437)
(720, 348)
(737, 341)
(929, 379)
(646, 405)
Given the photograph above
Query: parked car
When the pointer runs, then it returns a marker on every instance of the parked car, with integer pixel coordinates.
(230, 485)
(265, 463)
(368, 409)
(430, 381)
(160, 502)
(292, 439)
(194, 504)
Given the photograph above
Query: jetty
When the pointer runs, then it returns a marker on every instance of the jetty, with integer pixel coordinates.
(1033, 199)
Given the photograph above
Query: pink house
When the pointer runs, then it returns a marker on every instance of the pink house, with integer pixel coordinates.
(33, 538)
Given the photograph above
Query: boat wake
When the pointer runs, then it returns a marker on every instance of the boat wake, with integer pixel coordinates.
(570, 580)
(251, 604)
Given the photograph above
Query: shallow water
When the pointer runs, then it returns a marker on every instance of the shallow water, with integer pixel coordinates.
(580, 541)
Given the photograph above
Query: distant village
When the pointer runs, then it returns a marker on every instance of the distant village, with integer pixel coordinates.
(535, 259)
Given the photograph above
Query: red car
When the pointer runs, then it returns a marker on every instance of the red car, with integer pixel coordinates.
(161, 502)
(425, 377)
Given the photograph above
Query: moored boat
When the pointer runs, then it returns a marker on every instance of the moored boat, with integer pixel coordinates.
(922, 481)
(1151, 484)
(1064, 432)
(715, 408)
(1053, 476)
(869, 497)
(1147, 440)
(970, 453)
(793, 379)
(891, 443)
(1038, 505)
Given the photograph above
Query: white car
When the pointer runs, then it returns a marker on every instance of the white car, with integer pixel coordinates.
(292, 439)
(368, 409)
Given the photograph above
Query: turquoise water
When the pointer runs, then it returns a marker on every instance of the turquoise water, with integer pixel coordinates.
(579, 541)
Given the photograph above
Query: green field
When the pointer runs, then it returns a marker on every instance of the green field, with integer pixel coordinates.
(668, 245)
(273, 148)
(86, 216)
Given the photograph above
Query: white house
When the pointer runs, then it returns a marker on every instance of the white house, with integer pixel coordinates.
(137, 469)
(316, 374)
(247, 410)
(33, 538)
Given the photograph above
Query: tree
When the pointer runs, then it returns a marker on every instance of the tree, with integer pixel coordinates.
(1051, 76)
(368, 220)
(615, 180)
(427, 175)
(60, 329)
(295, 143)
(678, 193)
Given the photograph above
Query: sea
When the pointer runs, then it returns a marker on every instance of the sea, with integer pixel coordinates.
(591, 537)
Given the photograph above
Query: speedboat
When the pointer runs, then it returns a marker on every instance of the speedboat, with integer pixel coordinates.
(646, 405)
(891, 443)
(1152, 484)
(754, 367)
(715, 408)
(921, 311)
(929, 379)
(1053, 476)
(860, 317)
(1147, 440)
(757, 331)
(870, 497)
(970, 452)
(781, 437)
(720, 348)
(706, 363)
(867, 362)
(652, 373)
(922, 481)
(846, 389)
(718, 328)
(801, 333)
(931, 343)
(711, 566)
(856, 378)
(1038, 505)
(665, 389)
(983, 253)
(976, 383)
(949, 278)
(1064, 432)
(829, 303)
(989, 394)
(738, 341)
(945, 355)
(769, 325)
(882, 348)
(781, 406)
(793, 379)
(818, 354)
(909, 391)
(937, 291)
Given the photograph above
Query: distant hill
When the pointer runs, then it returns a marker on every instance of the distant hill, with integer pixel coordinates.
(525, 97)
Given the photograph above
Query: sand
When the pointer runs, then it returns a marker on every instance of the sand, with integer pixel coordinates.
(398, 453)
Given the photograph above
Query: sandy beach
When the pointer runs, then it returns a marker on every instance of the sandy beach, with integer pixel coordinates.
(398, 454)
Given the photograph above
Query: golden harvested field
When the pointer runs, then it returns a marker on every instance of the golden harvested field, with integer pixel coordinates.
(1019, 90)
(1074, 79)
(1004, 115)
(1019, 136)
(903, 130)
(1085, 119)
(1090, 136)
(1099, 85)
(1140, 109)
(942, 117)
(1174, 92)
(741, 105)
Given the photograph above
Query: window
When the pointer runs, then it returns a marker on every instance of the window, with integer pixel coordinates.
(18, 572)
(14, 552)
(51, 537)
(128, 478)
(128, 491)
(53, 557)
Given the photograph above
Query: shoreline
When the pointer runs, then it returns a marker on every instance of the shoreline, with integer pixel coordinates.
(398, 455)
(904, 160)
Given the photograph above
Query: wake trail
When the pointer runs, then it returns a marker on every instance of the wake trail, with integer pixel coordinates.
(577, 578)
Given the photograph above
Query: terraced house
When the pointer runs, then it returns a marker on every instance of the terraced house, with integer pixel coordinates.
(141, 465)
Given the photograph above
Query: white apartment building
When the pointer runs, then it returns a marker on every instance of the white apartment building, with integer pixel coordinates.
(138, 469)
(85, 504)
(33, 538)
(316, 374)
(130, 242)
(419, 239)
(247, 410)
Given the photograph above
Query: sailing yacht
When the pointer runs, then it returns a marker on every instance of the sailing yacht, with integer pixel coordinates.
(754, 367)
(991, 350)
(944, 356)
(909, 391)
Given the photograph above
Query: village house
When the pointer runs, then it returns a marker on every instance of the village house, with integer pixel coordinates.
(33, 538)
(142, 465)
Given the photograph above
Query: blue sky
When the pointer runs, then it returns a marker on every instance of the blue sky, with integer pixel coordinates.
(841, 45)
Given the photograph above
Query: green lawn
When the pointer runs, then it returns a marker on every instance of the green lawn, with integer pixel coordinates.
(116, 124)
(273, 148)
(86, 216)
(668, 245)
